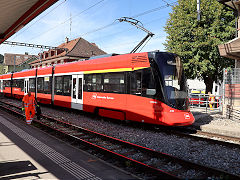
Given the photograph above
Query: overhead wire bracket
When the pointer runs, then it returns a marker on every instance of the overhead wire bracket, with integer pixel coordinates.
(33, 45)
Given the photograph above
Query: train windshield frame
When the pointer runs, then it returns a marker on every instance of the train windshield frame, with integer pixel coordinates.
(173, 80)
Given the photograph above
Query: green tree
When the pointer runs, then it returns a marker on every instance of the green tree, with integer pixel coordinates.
(196, 41)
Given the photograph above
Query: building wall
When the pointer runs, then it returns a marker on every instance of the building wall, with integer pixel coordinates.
(237, 64)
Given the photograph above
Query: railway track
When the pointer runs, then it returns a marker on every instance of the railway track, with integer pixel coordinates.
(147, 162)
(198, 135)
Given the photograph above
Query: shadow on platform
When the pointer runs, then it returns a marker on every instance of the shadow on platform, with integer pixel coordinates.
(8, 168)
(203, 117)
(24, 176)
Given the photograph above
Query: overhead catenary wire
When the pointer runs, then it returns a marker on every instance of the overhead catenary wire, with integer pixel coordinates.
(116, 22)
(132, 28)
(68, 19)
(131, 42)
(166, 2)
(113, 23)
(153, 10)
(105, 26)
(17, 34)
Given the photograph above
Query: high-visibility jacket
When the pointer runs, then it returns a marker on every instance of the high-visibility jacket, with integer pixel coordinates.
(29, 101)
(211, 98)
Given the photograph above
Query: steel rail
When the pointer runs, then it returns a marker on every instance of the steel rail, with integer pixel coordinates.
(100, 141)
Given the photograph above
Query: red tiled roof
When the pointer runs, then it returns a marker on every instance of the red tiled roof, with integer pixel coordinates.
(85, 49)
(76, 48)
(19, 58)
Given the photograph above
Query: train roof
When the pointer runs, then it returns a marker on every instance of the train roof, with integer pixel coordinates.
(44, 71)
(103, 55)
(125, 62)
(31, 72)
(112, 62)
(6, 76)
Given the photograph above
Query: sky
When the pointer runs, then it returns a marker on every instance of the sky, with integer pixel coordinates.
(95, 21)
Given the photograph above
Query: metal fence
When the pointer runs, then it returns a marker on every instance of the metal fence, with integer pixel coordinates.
(231, 76)
(203, 101)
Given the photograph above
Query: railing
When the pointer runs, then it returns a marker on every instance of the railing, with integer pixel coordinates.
(203, 101)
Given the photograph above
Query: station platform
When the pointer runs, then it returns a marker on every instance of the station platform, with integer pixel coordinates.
(29, 153)
(215, 122)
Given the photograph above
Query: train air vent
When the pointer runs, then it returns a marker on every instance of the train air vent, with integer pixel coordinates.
(137, 59)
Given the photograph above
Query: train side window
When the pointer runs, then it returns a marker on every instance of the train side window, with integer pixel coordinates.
(18, 83)
(96, 82)
(21, 84)
(114, 82)
(136, 83)
(67, 82)
(47, 84)
(148, 83)
(15, 83)
(87, 82)
(40, 85)
(58, 85)
(6, 83)
(32, 84)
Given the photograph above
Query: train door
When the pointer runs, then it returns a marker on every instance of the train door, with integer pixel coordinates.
(77, 92)
(26, 86)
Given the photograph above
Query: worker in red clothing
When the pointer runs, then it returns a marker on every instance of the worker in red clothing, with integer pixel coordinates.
(28, 103)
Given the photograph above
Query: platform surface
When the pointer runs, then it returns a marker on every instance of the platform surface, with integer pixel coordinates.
(214, 122)
(28, 153)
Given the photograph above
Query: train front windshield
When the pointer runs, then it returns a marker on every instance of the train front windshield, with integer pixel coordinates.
(174, 81)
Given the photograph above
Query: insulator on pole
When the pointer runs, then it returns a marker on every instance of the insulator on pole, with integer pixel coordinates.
(198, 10)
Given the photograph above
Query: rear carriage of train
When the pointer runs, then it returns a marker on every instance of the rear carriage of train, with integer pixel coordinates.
(6, 84)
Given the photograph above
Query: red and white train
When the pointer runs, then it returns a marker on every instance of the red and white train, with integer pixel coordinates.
(146, 87)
